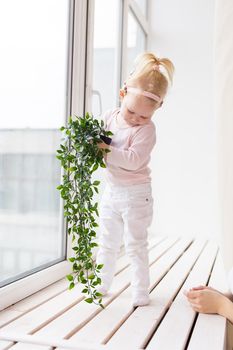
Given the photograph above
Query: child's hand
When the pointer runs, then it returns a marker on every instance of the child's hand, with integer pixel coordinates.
(205, 300)
(103, 145)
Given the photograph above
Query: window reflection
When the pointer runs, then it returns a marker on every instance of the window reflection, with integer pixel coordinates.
(135, 42)
(143, 6)
(33, 89)
(104, 54)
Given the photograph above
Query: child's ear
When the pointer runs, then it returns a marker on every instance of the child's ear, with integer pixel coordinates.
(122, 93)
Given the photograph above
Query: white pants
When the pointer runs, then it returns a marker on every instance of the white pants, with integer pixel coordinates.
(125, 212)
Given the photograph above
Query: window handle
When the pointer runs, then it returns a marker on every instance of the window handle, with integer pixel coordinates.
(97, 93)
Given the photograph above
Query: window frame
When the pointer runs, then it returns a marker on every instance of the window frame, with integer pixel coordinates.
(124, 7)
(142, 21)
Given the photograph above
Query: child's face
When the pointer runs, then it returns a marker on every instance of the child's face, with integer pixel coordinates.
(137, 110)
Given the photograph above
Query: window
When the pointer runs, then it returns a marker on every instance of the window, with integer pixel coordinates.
(120, 32)
(105, 55)
(50, 69)
(34, 39)
(143, 6)
(136, 40)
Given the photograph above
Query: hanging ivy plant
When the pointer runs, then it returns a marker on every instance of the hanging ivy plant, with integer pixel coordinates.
(80, 156)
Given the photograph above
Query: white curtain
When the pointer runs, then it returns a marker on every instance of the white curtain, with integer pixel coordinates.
(224, 109)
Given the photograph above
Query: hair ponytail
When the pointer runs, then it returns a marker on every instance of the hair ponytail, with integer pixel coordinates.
(168, 65)
(151, 73)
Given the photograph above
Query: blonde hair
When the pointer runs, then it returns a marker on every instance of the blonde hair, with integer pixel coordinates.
(152, 74)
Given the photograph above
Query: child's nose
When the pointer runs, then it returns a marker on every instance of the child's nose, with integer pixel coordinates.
(135, 118)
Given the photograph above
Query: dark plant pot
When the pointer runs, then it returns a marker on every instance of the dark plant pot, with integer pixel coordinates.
(106, 139)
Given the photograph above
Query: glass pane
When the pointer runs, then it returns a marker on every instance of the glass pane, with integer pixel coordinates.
(135, 42)
(33, 89)
(104, 54)
(143, 6)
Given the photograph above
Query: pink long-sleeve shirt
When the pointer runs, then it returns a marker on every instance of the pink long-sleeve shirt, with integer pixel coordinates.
(127, 163)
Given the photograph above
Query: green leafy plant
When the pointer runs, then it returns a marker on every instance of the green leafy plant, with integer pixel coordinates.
(80, 156)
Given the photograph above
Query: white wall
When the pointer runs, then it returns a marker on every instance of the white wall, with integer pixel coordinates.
(184, 161)
(224, 108)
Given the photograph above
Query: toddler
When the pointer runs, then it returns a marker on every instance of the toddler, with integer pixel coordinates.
(126, 206)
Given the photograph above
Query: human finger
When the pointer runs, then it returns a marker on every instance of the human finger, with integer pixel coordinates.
(199, 287)
(193, 294)
(195, 307)
(102, 145)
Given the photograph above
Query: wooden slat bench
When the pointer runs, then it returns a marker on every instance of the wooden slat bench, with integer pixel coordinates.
(56, 318)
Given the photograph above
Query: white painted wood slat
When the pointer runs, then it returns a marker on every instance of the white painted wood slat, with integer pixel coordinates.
(56, 318)
(48, 343)
(7, 316)
(120, 309)
(4, 344)
(15, 311)
(45, 312)
(180, 317)
(75, 318)
(139, 327)
(40, 316)
(40, 297)
(29, 346)
(210, 330)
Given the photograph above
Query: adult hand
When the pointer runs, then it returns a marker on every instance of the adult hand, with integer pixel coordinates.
(205, 299)
(201, 287)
